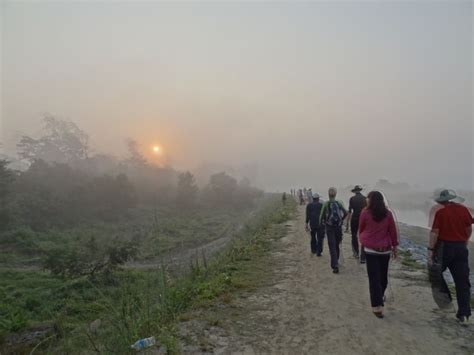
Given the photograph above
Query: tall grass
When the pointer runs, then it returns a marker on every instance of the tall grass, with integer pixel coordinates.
(148, 303)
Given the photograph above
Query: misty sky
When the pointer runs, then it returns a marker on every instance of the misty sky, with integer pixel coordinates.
(315, 93)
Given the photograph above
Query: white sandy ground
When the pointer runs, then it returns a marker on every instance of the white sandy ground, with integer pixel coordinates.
(308, 309)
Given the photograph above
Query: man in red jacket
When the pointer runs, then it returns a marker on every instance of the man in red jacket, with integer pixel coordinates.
(449, 236)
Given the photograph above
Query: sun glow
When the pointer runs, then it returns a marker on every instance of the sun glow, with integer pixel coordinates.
(157, 149)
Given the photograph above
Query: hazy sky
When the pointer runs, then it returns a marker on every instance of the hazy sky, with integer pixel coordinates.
(315, 93)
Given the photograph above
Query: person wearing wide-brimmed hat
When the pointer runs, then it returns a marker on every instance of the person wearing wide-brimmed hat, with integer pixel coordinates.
(356, 204)
(450, 233)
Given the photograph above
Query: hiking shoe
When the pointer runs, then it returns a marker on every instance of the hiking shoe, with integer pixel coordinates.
(463, 320)
(335, 270)
(318, 254)
(378, 314)
(362, 261)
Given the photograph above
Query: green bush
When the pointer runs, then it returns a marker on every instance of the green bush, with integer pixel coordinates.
(88, 259)
(12, 319)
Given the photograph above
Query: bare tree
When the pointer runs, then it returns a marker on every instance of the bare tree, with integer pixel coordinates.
(63, 142)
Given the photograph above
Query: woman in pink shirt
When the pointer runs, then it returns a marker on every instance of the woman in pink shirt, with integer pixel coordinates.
(378, 234)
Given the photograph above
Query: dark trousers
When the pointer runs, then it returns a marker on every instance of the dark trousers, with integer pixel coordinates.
(455, 257)
(355, 239)
(377, 270)
(314, 242)
(317, 239)
(334, 235)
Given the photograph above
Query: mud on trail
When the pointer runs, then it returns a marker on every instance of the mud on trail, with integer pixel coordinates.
(302, 307)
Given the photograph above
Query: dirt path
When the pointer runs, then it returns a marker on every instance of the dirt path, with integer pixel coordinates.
(304, 308)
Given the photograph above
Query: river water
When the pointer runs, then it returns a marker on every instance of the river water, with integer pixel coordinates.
(414, 217)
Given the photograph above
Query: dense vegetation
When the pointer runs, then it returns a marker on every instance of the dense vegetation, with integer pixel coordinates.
(73, 224)
(109, 312)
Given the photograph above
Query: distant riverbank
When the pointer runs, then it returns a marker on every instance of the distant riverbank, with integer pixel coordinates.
(412, 217)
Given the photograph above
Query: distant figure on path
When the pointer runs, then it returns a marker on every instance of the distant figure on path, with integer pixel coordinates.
(313, 211)
(300, 196)
(309, 195)
(378, 235)
(283, 198)
(332, 217)
(356, 204)
(450, 233)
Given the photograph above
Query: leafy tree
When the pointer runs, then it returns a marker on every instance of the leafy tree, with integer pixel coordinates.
(246, 194)
(187, 190)
(98, 165)
(45, 195)
(56, 195)
(6, 180)
(135, 158)
(108, 197)
(221, 188)
(88, 259)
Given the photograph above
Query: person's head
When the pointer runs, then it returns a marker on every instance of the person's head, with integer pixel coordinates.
(376, 205)
(315, 197)
(446, 196)
(332, 192)
(357, 189)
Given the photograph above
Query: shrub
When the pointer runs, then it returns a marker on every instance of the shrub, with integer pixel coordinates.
(88, 259)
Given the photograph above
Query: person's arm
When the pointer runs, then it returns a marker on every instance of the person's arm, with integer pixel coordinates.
(307, 217)
(434, 235)
(322, 217)
(349, 216)
(344, 211)
(362, 222)
(393, 236)
(393, 233)
(468, 222)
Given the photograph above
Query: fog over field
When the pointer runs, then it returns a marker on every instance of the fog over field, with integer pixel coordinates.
(147, 154)
(288, 94)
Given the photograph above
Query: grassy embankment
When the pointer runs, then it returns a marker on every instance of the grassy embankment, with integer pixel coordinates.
(109, 312)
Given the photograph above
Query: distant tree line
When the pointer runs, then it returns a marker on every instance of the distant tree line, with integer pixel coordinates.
(65, 184)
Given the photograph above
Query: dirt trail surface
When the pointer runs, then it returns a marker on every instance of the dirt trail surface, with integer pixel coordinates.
(304, 308)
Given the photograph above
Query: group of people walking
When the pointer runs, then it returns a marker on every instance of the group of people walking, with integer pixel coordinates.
(375, 239)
